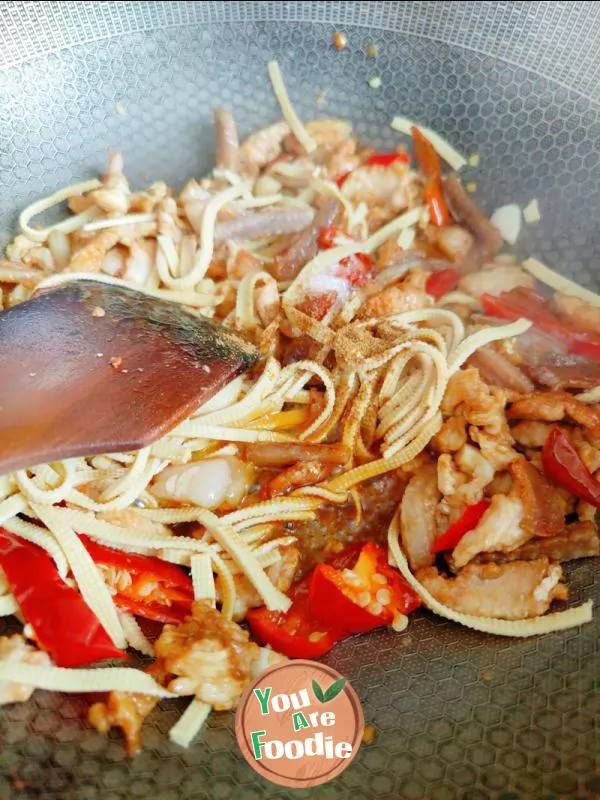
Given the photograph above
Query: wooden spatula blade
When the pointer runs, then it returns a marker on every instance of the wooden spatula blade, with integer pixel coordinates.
(92, 368)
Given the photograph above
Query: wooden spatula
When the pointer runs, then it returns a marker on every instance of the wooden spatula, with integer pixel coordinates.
(91, 368)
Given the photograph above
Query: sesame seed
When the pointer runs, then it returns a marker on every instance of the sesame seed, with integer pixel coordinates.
(400, 623)
(205, 368)
(98, 312)
(383, 596)
(99, 355)
(116, 362)
(372, 50)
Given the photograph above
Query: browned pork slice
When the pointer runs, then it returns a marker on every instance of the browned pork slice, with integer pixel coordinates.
(497, 370)
(517, 590)
(579, 540)
(417, 516)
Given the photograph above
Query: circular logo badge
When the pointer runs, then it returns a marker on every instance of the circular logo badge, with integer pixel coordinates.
(299, 724)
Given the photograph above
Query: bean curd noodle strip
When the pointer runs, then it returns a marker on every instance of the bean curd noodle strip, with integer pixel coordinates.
(395, 226)
(66, 226)
(246, 316)
(56, 494)
(483, 337)
(202, 578)
(559, 282)
(536, 626)
(111, 222)
(135, 636)
(89, 579)
(125, 498)
(288, 112)
(186, 298)
(190, 723)
(375, 468)
(197, 430)
(207, 234)
(11, 506)
(277, 516)
(59, 679)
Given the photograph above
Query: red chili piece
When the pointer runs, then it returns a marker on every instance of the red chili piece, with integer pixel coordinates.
(362, 598)
(469, 520)
(324, 608)
(431, 167)
(376, 160)
(442, 282)
(532, 306)
(63, 624)
(158, 590)
(563, 465)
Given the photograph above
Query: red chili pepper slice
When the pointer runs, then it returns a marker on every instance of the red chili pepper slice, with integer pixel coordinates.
(293, 633)
(442, 282)
(563, 465)
(469, 520)
(327, 237)
(376, 160)
(158, 590)
(350, 599)
(343, 178)
(515, 304)
(525, 303)
(64, 625)
(296, 633)
(385, 159)
(431, 167)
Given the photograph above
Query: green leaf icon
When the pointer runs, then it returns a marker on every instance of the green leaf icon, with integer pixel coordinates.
(335, 688)
(329, 694)
(318, 692)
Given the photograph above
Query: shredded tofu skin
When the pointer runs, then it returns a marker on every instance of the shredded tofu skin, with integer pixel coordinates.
(287, 110)
(386, 376)
(190, 723)
(546, 275)
(57, 679)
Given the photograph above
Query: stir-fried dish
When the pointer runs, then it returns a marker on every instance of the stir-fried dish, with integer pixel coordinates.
(422, 427)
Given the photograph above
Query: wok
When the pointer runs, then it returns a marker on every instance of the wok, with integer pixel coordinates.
(456, 714)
